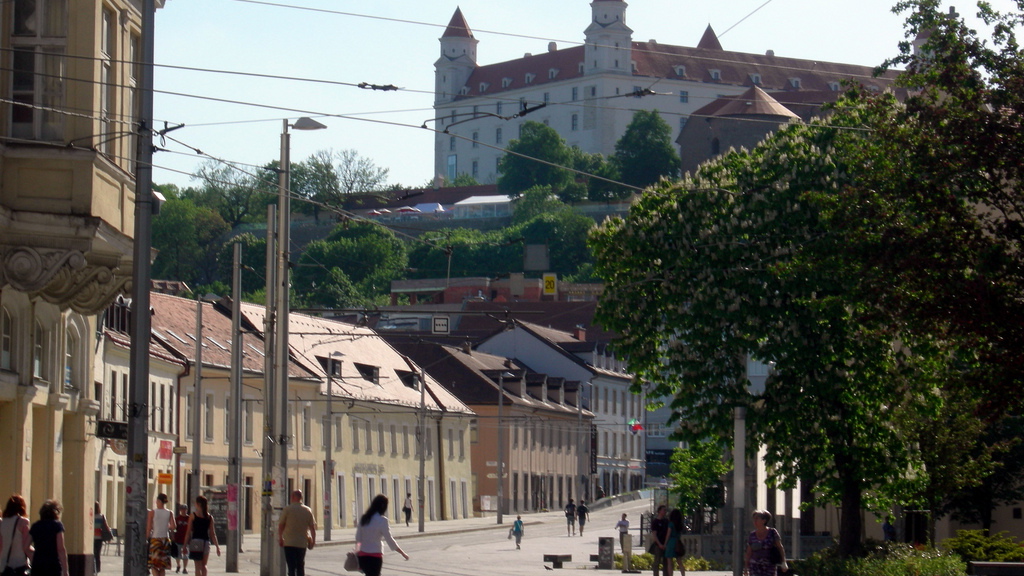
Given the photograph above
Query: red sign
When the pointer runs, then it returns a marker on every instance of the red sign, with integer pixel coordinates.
(166, 450)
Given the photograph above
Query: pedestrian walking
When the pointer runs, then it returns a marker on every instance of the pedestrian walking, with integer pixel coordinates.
(659, 536)
(99, 529)
(570, 518)
(407, 508)
(674, 551)
(180, 550)
(201, 533)
(47, 535)
(582, 514)
(627, 557)
(517, 531)
(296, 531)
(159, 526)
(14, 538)
(888, 530)
(374, 528)
(757, 559)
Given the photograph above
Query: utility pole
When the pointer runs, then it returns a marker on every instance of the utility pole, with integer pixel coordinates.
(329, 449)
(501, 446)
(268, 553)
(235, 458)
(136, 541)
(197, 406)
(421, 440)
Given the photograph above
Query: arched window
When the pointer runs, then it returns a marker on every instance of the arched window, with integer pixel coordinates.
(39, 351)
(6, 339)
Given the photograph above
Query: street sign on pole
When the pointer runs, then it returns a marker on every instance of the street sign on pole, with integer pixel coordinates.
(441, 325)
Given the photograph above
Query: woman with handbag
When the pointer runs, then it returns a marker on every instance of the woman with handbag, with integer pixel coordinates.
(14, 538)
(50, 557)
(101, 534)
(765, 553)
(374, 528)
(201, 533)
(674, 551)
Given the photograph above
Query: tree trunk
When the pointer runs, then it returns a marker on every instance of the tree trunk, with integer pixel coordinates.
(850, 521)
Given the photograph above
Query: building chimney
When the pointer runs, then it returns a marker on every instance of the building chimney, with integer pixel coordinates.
(467, 349)
(580, 333)
(552, 46)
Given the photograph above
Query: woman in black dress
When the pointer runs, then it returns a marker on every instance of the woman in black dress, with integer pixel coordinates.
(47, 535)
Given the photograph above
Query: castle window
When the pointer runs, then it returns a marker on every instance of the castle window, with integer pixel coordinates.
(506, 82)
(484, 86)
(716, 75)
(451, 144)
(575, 93)
(680, 70)
(794, 82)
(497, 136)
(755, 78)
(684, 96)
(6, 338)
(476, 169)
(552, 73)
(476, 139)
(575, 122)
(581, 68)
(529, 77)
(547, 97)
(464, 90)
(833, 86)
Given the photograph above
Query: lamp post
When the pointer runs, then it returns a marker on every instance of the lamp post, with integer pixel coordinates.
(280, 337)
(328, 445)
(501, 443)
(235, 457)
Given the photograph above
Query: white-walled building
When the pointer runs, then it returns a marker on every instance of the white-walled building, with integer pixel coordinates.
(587, 91)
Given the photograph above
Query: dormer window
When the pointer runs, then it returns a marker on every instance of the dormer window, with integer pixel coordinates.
(581, 68)
(464, 90)
(680, 70)
(506, 82)
(484, 86)
(369, 373)
(632, 67)
(873, 88)
(716, 74)
(794, 82)
(529, 77)
(833, 86)
(755, 79)
(552, 73)
(409, 379)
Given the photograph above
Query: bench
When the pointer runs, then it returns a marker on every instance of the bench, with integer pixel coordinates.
(997, 568)
(557, 559)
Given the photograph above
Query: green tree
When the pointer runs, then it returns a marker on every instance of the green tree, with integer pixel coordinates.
(565, 233)
(254, 263)
(536, 201)
(460, 252)
(696, 473)
(355, 264)
(520, 168)
(645, 152)
(237, 196)
(315, 180)
(186, 238)
(463, 179)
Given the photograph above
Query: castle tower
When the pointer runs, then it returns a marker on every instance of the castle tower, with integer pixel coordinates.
(609, 40)
(457, 61)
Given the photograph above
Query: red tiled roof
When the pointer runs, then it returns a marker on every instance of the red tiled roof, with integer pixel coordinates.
(709, 41)
(566, 62)
(457, 27)
(754, 102)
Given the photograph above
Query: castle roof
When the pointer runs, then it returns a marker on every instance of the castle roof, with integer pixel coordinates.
(709, 41)
(457, 27)
(754, 102)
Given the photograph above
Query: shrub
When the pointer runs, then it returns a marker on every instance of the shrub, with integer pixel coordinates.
(975, 545)
(645, 561)
(888, 560)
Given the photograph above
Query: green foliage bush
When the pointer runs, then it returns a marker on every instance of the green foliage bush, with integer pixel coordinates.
(975, 545)
(644, 562)
(884, 560)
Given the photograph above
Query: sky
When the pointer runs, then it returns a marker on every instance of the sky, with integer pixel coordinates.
(232, 114)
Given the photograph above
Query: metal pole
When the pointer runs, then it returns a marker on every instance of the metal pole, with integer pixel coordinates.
(267, 473)
(501, 447)
(328, 448)
(281, 334)
(197, 406)
(235, 458)
(423, 444)
(136, 542)
(739, 484)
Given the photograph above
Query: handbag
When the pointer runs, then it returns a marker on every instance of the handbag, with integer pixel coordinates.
(173, 549)
(351, 562)
(105, 534)
(774, 555)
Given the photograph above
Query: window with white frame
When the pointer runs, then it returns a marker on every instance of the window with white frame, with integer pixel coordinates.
(451, 443)
(39, 351)
(476, 139)
(498, 138)
(190, 415)
(684, 96)
(307, 427)
(247, 424)
(794, 82)
(209, 414)
(227, 420)
(380, 438)
(462, 443)
(368, 430)
(38, 68)
(405, 439)
(108, 81)
(716, 75)
(575, 122)
(394, 440)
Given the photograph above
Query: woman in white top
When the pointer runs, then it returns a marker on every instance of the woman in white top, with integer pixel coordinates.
(374, 528)
(15, 544)
(160, 526)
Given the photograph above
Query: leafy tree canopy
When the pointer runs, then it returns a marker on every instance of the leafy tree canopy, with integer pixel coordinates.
(519, 167)
(645, 152)
(186, 239)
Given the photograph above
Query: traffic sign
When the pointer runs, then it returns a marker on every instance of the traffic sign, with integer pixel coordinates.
(441, 325)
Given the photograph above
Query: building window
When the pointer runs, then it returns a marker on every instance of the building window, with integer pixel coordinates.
(108, 81)
(680, 71)
(248, 423)
(451, 144)
(476, 139)
(405, 440)
(552, 72)
(355, 436)
(380, 438)
(476, 169)
(575, 93)
(453, 166)
(547, 97)
(39, 352)
(833, 86)
(394, 441)
(476, 111)
(6, 340)
(716, 75)
(498, 139)
(684, 96)
(208, 433)
(453, 116)
(794, 82)
(755, 79)
(462, 443)
(307, 427)
(506, 82)
(498, 107)
(39, 68)
(575, 122)
(369, 436)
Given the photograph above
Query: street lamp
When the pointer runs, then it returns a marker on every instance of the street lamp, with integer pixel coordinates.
(328, 446)
(278, 285)
(501, 443)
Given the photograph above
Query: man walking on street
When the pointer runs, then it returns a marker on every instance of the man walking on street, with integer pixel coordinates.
(570, 518)
(659, 536)
(582, 514)
(296, 531)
